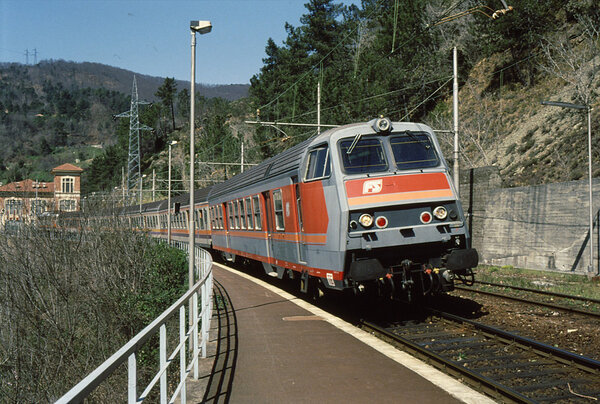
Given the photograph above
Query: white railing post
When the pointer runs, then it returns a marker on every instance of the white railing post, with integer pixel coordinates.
(182, 372)
(204, 322)
(194, 335)
(131, 380)
(163, 364)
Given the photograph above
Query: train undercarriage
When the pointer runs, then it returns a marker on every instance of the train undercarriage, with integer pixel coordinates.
(417, 274)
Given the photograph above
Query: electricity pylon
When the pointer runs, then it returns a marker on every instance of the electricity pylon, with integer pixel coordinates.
(134, 170)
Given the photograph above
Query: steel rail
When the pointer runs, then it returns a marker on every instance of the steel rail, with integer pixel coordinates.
(541, 292)
(567, 357)
(491, 387)
(538, 303)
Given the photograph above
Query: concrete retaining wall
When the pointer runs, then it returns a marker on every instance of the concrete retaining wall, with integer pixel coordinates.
(537, 227)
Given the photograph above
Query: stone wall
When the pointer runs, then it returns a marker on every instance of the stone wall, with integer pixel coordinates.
(536, 227)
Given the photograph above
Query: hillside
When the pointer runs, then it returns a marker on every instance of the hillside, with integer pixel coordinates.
(502, 121)
(57, 112)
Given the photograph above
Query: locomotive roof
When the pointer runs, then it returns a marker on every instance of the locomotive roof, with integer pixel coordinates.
(284, 162)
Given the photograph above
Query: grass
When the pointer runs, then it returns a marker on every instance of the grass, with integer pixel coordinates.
(567, 283)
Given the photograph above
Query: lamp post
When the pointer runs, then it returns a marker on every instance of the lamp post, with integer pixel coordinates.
(591, 218)
(172, 143)
(202, 27)
(141, 189)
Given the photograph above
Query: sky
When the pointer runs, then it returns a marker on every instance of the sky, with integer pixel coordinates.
(150, 37)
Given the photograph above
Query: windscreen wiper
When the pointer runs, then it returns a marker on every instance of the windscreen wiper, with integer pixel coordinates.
(354, 143)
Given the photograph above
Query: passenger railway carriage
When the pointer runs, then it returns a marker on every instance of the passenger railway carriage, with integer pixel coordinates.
(367, 205)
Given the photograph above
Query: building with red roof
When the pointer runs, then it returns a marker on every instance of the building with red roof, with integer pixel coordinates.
(24, 200)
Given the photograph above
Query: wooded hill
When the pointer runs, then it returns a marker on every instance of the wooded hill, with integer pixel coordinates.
(394, 58)
(57, 111)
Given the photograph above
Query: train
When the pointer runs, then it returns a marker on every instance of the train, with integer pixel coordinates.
(364, 207)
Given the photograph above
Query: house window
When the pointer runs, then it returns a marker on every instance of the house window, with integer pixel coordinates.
(68, 185)
(67, 205)
(278, 207)
(14, 206)
(38, 206)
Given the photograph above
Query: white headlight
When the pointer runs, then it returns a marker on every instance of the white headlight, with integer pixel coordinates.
(366, 220)
(440, 212)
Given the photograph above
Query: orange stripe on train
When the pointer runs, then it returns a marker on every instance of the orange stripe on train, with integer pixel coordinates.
(401, 196)
(410, 183)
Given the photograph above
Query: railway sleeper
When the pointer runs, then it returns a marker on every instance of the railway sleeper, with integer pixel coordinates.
(520, 375)
(556, 383)
(517, 361)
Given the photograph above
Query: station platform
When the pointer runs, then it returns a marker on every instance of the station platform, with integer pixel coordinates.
(267, 346)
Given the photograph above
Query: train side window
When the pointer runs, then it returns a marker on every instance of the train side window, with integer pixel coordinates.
(278, 208)
(242, 214)
(318, 165)
(249, 217)
(230, 210)
(237, 214)
(257, 220)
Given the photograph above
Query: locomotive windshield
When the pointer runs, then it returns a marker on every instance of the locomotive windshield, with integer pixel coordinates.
(413, 150)
(366, 157)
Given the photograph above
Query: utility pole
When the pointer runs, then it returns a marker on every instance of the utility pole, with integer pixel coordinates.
(319, 107)
(153, 184)
(123, 183)
(455, 99)
(242, 162)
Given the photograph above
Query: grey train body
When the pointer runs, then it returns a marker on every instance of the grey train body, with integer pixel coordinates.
(363, 206)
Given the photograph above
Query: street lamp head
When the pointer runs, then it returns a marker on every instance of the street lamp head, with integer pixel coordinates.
(203, 27)
(172, 142)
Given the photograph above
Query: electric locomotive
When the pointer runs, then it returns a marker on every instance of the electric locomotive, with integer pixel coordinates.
(363, 206)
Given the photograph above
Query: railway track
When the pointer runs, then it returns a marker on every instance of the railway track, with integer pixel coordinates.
(505, 366)
(551, 305)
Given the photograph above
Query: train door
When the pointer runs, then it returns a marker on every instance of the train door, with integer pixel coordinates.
(270, 223)
(227, 222)
(301, 244)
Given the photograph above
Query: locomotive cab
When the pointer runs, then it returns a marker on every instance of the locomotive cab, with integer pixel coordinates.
(405, 230)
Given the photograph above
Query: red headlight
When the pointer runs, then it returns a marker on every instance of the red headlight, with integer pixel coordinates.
(381, 222)
(426, 217)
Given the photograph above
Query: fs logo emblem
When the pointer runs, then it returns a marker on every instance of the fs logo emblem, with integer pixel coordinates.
(372, 186)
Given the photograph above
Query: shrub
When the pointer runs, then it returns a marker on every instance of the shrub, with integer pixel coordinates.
(69, 301)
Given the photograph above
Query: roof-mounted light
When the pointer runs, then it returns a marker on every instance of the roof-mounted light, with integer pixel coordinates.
(382, 125)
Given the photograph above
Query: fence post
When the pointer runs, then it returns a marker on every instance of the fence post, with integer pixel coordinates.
(182, 354)
(194, 335)
(163, 364)
(131, 380)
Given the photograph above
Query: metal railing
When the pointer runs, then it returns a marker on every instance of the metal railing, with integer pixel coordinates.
(199, 337)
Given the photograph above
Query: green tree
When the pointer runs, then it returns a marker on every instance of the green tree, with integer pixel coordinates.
(166, 93)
